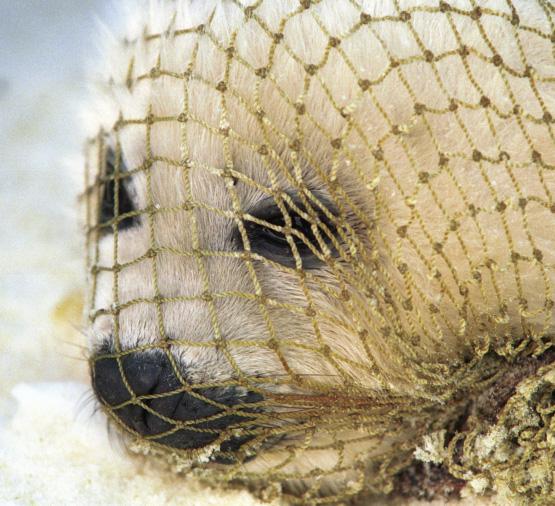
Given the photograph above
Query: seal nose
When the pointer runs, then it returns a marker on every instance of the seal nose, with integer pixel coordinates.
(142, 371)
(156, 403)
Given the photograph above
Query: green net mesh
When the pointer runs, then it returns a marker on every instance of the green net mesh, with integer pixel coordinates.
(333, 223)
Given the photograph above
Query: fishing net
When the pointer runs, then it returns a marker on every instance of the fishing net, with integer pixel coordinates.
(330, 224)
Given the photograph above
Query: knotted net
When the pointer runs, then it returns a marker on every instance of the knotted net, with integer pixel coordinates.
(333, 222)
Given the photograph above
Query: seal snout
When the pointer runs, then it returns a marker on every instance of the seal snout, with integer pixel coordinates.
(145, 393)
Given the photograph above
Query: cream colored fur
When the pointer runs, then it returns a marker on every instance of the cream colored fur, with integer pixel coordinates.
(388, 186)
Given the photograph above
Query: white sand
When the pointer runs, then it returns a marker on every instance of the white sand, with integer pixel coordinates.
(52, 453)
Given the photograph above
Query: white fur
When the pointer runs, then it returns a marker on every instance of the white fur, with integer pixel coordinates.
(378, 193)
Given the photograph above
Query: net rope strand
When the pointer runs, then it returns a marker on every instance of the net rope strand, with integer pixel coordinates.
(406, 278)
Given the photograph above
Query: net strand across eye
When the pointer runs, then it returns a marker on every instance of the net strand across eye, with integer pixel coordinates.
(320, 245)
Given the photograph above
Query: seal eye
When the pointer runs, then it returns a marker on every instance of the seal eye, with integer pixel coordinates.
(270, 237)
(116, 183)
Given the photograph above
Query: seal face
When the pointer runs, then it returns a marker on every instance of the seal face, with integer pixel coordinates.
(314, 227)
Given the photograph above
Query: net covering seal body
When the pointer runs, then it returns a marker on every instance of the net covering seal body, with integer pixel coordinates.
(320, 243)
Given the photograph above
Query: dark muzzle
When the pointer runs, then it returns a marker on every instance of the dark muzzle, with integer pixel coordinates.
(144, 392)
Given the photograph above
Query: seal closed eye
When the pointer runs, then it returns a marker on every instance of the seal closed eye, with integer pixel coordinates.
(118, 211)
(282, 234)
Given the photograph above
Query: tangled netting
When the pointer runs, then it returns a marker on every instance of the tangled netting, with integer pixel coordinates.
(333, 223)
